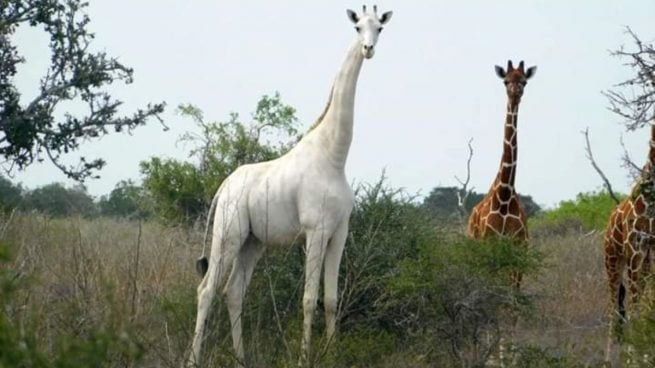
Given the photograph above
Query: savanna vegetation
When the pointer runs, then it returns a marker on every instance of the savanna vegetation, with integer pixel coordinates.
(110, 281)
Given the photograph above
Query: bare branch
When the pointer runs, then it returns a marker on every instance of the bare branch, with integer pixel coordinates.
(465, 191)
(634, 99)
(591, 159)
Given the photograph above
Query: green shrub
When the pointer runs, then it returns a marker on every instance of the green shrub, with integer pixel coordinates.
(591, 210)
(457, 294)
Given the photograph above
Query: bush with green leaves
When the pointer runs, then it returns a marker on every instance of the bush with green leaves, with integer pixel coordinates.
(126, 200)
(589, 210)
(454, 299)
(181, 190)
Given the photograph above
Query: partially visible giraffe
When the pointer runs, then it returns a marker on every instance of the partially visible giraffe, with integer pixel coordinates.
(500, 213)
(629, 239)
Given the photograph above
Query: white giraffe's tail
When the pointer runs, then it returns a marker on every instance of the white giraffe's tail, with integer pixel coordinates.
(202, 263)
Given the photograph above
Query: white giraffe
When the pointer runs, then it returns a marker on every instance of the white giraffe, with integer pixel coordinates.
(302, 195)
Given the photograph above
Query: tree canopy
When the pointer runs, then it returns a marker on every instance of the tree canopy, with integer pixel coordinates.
(42, 128)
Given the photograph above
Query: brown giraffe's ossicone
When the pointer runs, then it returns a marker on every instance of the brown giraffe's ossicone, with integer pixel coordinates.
(500, 213)
(629, 239)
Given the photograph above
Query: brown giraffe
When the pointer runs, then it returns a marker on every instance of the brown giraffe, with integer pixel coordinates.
(629, 238)
(500, 213)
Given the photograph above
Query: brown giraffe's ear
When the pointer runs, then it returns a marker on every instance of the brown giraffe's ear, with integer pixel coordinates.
(510, 67)
(530, 72)
(500, 72)
(352, 16)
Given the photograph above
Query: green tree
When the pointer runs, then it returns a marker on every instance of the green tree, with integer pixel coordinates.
(125, 200)
(181, 190)
(42, 126)
(177, 189)
(10, 195)
(57, 200)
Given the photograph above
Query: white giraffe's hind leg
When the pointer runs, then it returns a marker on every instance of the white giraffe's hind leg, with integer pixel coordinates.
(230, 232)
(235, 290)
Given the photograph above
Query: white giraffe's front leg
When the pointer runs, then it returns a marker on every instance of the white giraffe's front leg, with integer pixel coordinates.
(333, 255)
(315, 252)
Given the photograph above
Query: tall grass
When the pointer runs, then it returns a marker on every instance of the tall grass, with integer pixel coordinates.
(77, 278)
(131, 288)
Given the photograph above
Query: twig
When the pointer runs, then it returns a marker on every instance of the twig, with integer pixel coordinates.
(634, 170)
(590, 157)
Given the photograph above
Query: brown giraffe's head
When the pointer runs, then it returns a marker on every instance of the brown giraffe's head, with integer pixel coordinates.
(515, 79)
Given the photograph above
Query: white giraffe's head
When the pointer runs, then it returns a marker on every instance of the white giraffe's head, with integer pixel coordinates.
(368, 27)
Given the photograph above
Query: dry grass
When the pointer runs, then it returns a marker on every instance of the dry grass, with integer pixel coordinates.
(573, 299)
(103, 274)
(122, 276)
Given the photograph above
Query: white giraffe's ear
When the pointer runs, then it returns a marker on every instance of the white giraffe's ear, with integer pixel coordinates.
(530, 72)
(385, 17)
(500, 72)
(352, 16)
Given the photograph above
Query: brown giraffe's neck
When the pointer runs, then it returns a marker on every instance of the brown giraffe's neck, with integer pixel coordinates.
(507, 171)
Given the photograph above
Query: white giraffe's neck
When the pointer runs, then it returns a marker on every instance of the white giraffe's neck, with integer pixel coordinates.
(336, 128)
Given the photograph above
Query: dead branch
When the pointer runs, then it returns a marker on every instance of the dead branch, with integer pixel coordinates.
(464, 192)
(590, 157)
(634, 99)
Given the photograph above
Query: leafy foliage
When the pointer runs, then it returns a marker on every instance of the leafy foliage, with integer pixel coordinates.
(125, 200)
(181, 190)
(459, 292)
(57, 200)
(591, 210)
(76, 74)
(10, 195)
(176, 188)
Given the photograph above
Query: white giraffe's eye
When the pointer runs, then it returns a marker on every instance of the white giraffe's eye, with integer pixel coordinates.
(380, 30)
(357, 28)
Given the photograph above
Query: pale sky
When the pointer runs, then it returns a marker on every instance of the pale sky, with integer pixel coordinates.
(430, 86)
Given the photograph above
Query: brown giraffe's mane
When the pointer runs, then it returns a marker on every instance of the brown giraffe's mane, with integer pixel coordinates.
(322, 116)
